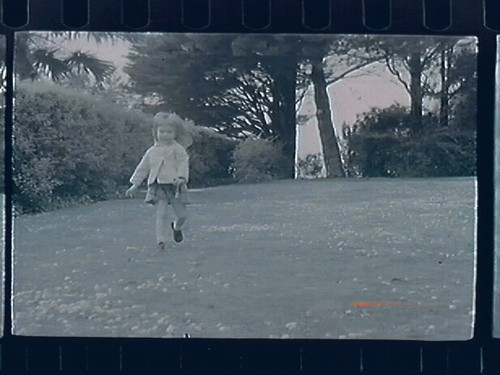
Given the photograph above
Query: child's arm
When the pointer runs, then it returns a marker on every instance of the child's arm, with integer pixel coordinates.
(131, 191)
(183, 166)
(140, 173)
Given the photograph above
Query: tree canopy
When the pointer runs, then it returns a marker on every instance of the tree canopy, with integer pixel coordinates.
(248, 85)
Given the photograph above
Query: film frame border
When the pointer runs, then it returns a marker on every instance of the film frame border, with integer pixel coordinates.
(89, 355)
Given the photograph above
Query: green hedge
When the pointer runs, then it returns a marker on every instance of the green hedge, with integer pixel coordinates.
(210, 158)
(70, 146)
(387, 143)
(73, 147)
(258, 160)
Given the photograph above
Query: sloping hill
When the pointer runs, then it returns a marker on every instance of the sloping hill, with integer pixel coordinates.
(287, 259)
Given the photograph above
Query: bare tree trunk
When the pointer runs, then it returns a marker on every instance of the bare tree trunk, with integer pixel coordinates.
(415, 65)
(444, 97)
(329, 142)
(283, 114)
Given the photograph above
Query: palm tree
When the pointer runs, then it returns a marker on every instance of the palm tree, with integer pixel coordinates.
(43, 54)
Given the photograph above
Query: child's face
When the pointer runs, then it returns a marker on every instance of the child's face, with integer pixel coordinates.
(166, 134)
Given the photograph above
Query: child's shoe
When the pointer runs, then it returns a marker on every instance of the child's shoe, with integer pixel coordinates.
(177, 233)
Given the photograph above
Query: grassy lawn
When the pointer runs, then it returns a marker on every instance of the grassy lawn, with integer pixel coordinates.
(287, 259)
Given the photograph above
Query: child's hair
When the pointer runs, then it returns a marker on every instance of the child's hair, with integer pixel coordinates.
(165, 119)
(183, 128)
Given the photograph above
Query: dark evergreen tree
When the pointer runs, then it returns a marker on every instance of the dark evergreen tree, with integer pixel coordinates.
(247, 84)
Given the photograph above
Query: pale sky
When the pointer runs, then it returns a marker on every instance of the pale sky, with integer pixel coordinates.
(349, 98)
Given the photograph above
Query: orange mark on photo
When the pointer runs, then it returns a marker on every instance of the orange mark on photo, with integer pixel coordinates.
(370, 303)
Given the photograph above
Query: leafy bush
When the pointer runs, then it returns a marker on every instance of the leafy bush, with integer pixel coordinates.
(311, 166)
(387, 143)
(258, 160)
(70, 146)
(210, 158)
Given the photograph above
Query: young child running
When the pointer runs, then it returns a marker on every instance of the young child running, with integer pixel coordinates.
(166, 166)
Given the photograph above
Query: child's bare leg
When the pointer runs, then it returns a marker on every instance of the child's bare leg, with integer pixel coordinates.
(161, 220)
(181, 213)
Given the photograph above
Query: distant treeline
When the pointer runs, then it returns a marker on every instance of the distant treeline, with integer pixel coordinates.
(74, 147)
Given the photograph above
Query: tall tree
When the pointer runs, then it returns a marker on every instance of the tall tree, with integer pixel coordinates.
(332, 60)
(424, 68)
(328, 136)
(44, 54)
(278, 54)
(234, 83)
(408, 59)
(328, 60)
(248, 84)
(445, 62)
(458, 78)
(393, 142)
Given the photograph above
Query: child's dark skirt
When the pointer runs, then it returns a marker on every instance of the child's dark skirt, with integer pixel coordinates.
(169, 192)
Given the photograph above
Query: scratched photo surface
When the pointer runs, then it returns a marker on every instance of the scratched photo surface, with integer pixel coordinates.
(2, 182)
(496, 299)
(331, 186)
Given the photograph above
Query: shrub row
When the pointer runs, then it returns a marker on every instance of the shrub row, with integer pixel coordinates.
(388, 143)
(72, 147)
